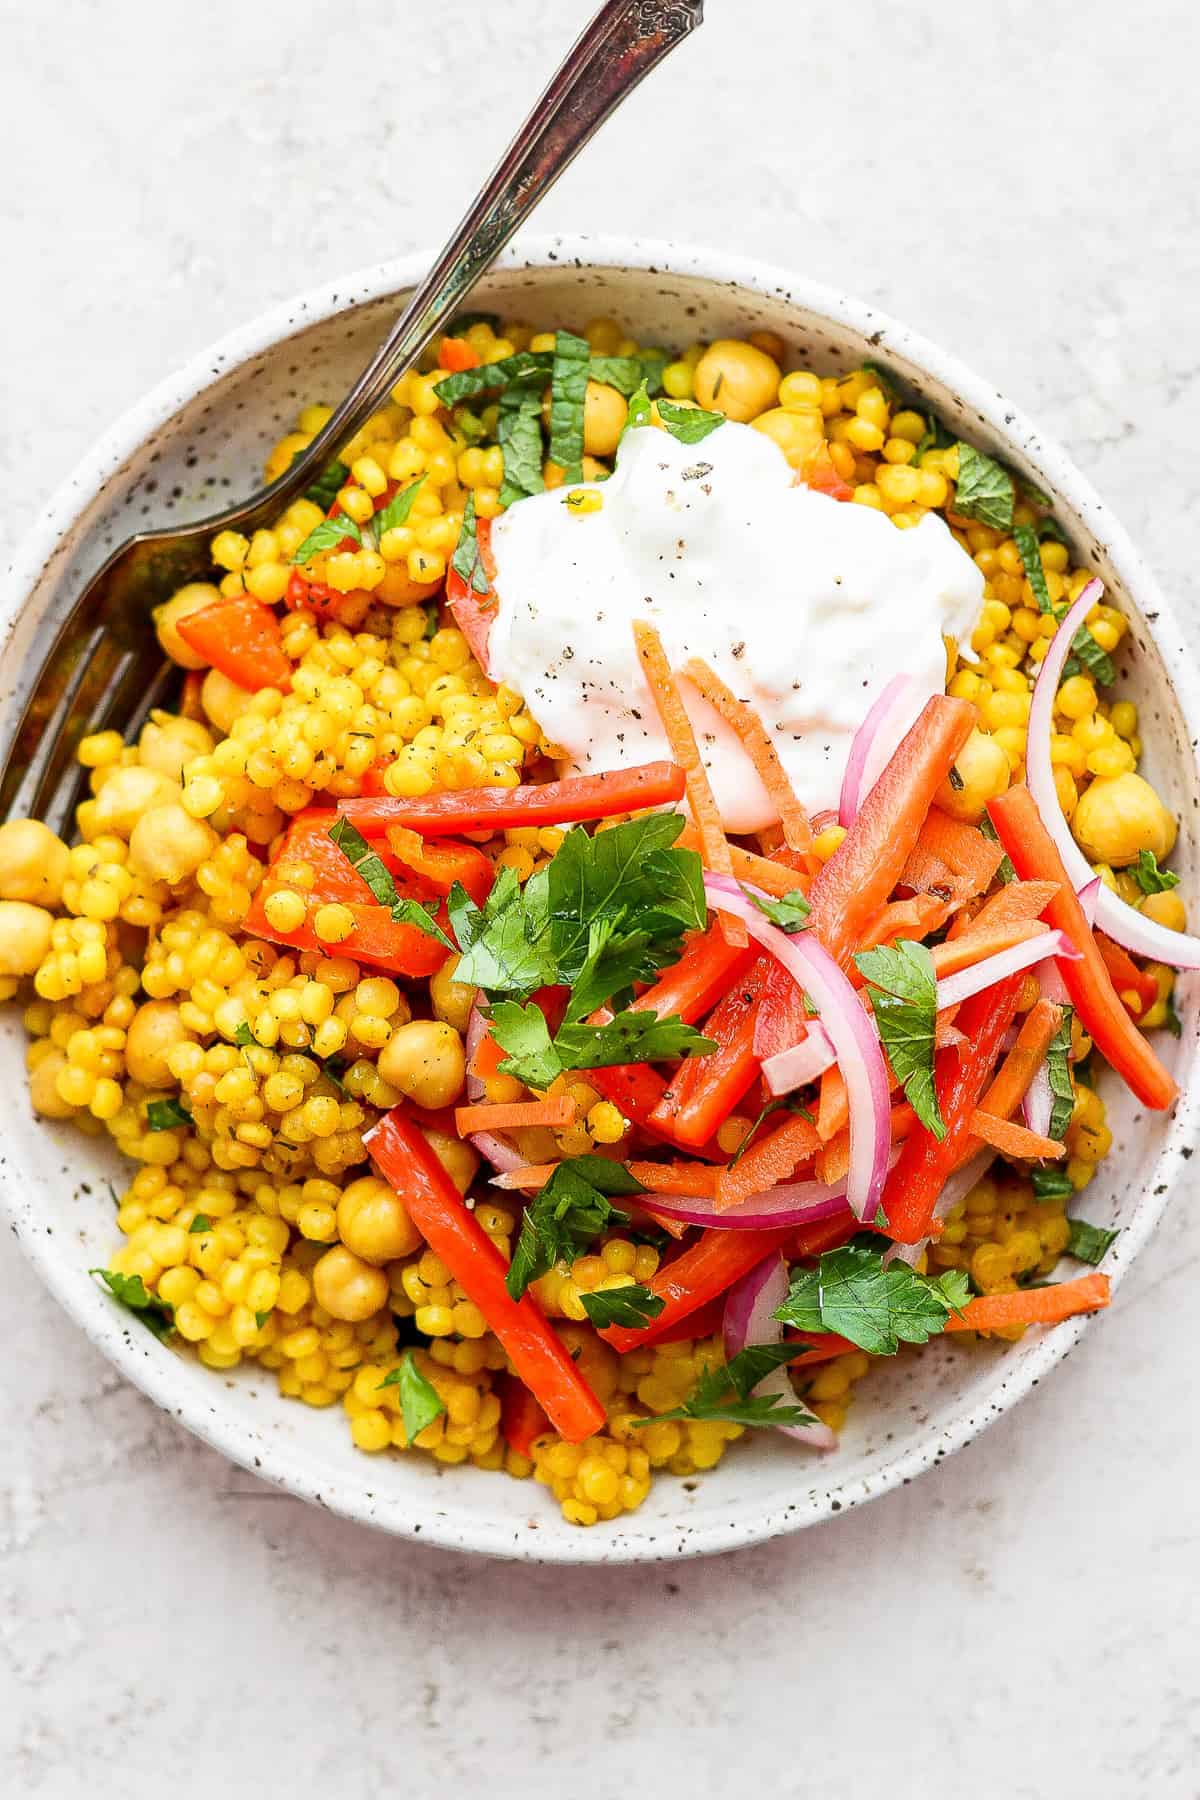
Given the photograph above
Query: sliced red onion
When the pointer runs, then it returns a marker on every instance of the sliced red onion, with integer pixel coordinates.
(1123, 923)
(497, 1151)
(791, 1203)
(1052, 984)
(851, 1032)
(750, 1320)
(956, 988)
(1088, 898)
(876, 741)
(804, 1062)
(476, 1026)
(1038, 1103)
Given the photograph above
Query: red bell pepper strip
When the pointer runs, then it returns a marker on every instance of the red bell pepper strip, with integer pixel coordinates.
(1035, 857)
(782, 1021)
(376, 938)
(860, 875)
(333, 875)
(705, 1269)
(1033, 1306)
(473, 613)
(705, 1322)
(705, 1089)
(455, 354)
(1126, 977)
(241, 638)
(494, 808)
(436, 1208)
(444, 862)
(960, 1074)
(521, 1416)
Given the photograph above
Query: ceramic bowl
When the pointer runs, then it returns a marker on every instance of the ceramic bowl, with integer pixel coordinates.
(199, 439)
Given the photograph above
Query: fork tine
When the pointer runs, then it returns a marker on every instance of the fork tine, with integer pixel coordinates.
(119, 689)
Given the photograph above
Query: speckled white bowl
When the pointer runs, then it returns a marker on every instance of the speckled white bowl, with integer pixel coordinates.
(199, 439)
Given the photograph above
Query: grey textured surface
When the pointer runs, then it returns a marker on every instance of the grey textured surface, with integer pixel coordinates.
(1022, 1623)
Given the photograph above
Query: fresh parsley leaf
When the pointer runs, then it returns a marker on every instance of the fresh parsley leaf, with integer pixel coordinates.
(877, 1308)
(630, 1037)
(324, 490)
(790, 912)
(628, 373)
(519, 434)
(568, 394)
(489, 378)
(1005, 872)
(726, 1391)
(524, 1036)
(396, 512)
(1051, 1184)
(167, 1115)
(1090, 1243)
(420, 1402)
(327, 536)
(690, 424)
(378, 877)
(131, 1292)
(567, 1215)
(1026, 540)
(903, 992)
(640, 411)
(243, 1035)
(984, 489)
(467, 562)
(506, 943)
(1058, 1070)
(1150, 878)
(632, 1305)
(200, 1224)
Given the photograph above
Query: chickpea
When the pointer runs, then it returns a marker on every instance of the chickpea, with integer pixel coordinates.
(24, 936)
(452, 1000)
(223, 700)
(155, 1030)
(1120, 815)
(459, 1160)
(43, 1086)
(127, 794)
(33, 862)
(604, 414)
(189, 599)
(983, 768)
(167, 844)
(1166, 909)
(167, 743)
(347, 1287)
(736, 379)
(798, 434)
(425, 1060)
(373, 1224)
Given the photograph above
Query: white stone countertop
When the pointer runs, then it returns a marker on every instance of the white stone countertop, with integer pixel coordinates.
(1017, 181)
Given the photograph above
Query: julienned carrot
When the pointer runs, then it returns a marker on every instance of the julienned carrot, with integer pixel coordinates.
(1011, 1139)
(1012, 1079)
(833, 1104)
(1016, 901)
(974, 946)
(752, 735)
(529, 1180)
(687, 1180)
(832, 1161)
(1102, 1015)
(1033, 1306)
(914, 918)
(686, 752)
(435, 1206)
(859, 877)
(567, 802)
(952, 858)
(554, 1114)
(705, 1269)
(772, 877)
(771, 1158)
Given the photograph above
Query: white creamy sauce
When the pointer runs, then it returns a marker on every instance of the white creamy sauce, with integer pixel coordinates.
(803, 605)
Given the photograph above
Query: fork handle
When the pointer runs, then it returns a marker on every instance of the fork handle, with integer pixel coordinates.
(624, 41)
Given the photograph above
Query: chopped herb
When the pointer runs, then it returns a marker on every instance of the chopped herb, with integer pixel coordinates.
(936, 438)
(1005, 872)
(1172, 1023)
(568, 395)
(131, 1292)
(690, 424)
(1086, 653)
(333, 1068)
(639, 411)
(201, 1223)
(260, 1318)
(1058, 1071)
(467, 562)
(490, 378)
(628, 373)
(984, 489)
(885, 380)
(396, 512)
(432, 622)
(243, 1035)
(374, 871)
(166, 1115)
(726, 1391)
(519, 434)
(567, 1215)
(877, 1308)
(790, 912)
(327, 536)
(1026, 540)
(632, 1305)
(631, 1037)
(955, 779)
(1150, 878)
(1089, 1243)
(324, 490)
(1051, 1184)
(469, 424)
(903, 993)
(420, 1402)
(1050, 528)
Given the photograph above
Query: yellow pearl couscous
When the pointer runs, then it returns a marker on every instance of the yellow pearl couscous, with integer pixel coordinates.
(196, 986)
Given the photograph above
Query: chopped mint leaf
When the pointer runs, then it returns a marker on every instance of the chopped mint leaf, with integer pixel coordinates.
(1051, 1184)
(396, 512)
(790, 912)
(491, 378)
(200, 1224)
(327, 536)
(131, 1293)
(1150, 878)
(936, 437)
(984, 489)
(260, 1318)
(726, 1391)
(877, 1308)
(167, 1115)
(375, 872)
(903, 994)
(420, 1402)
(567, 1215)
(640, 411)
(519, 434)
(1089, 1243)
(690, 424)
(1088, 654)
(632, 1305)
(1058, 1070)
(568, 396)
(628, 373)
(467, 561)
(1026, 540)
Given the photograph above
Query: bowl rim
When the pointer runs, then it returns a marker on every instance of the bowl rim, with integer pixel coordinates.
(289, 1468)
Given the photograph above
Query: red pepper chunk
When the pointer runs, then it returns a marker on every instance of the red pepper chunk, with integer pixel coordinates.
(456, 354)
(435, 1206)
(473, 613)
(241, 638)
(567, 802)
(706, 1089)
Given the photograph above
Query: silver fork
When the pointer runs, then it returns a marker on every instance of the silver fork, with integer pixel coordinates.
(105, 668)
